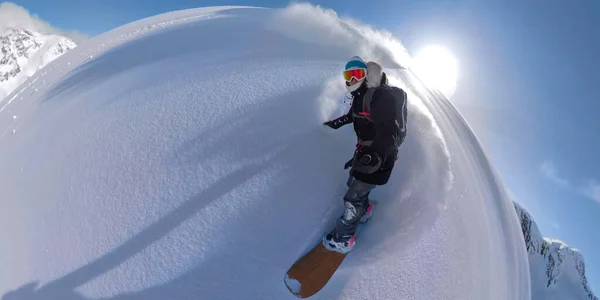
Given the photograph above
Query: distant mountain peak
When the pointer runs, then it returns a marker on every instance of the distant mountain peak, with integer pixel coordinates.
(23, 52)
(553, 264)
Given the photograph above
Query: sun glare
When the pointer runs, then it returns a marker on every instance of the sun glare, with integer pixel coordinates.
(437, 67)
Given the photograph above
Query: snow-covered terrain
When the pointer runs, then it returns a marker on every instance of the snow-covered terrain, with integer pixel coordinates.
(23, 52)
(557, 271)
(183, 157)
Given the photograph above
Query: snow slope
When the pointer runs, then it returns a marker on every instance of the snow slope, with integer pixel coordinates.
(557, 271)
(23, 52)
(183, 157)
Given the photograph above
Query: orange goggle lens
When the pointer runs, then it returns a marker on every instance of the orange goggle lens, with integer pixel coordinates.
(356, 73)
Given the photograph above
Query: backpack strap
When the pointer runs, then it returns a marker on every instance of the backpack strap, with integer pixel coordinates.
(366, 109)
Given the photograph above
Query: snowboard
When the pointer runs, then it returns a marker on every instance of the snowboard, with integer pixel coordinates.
(311, 272)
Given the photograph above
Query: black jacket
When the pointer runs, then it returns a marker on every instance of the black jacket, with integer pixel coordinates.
(382, 132)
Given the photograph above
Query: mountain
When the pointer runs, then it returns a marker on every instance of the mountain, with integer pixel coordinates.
(183, 156)
(557, 271)
(24, 52)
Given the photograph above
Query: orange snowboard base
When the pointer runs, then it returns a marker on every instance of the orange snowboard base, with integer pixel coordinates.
(309, 274)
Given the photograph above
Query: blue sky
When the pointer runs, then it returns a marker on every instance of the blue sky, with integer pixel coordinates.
(527, 86)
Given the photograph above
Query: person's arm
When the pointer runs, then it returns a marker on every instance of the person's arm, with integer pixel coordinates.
(341, 121)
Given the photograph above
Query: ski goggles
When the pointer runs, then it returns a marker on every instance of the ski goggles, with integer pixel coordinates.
(358, 74)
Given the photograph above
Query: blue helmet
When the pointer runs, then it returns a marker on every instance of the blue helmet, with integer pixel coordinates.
(355, 63)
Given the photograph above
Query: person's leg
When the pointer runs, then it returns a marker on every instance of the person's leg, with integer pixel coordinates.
(369, 210)
(356, 202)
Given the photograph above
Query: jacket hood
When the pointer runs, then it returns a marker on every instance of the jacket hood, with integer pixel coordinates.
(374, 74)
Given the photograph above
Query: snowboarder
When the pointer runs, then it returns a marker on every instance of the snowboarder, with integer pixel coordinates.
(379, 113)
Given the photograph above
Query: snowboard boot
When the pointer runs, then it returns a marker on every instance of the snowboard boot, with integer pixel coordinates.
(368, 212)
(342, 245)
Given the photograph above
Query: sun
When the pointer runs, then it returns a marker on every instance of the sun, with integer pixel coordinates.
(437, 67)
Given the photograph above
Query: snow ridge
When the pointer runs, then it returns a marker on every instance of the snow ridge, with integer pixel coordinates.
(563, 267)
(202, 168)
(23, 52)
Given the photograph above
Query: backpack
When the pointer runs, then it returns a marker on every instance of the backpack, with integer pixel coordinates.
(401, 113)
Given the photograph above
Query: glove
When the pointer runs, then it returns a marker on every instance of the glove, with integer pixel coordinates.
(339, 122)
(348, 163)
(333, 124)
(367, 160)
